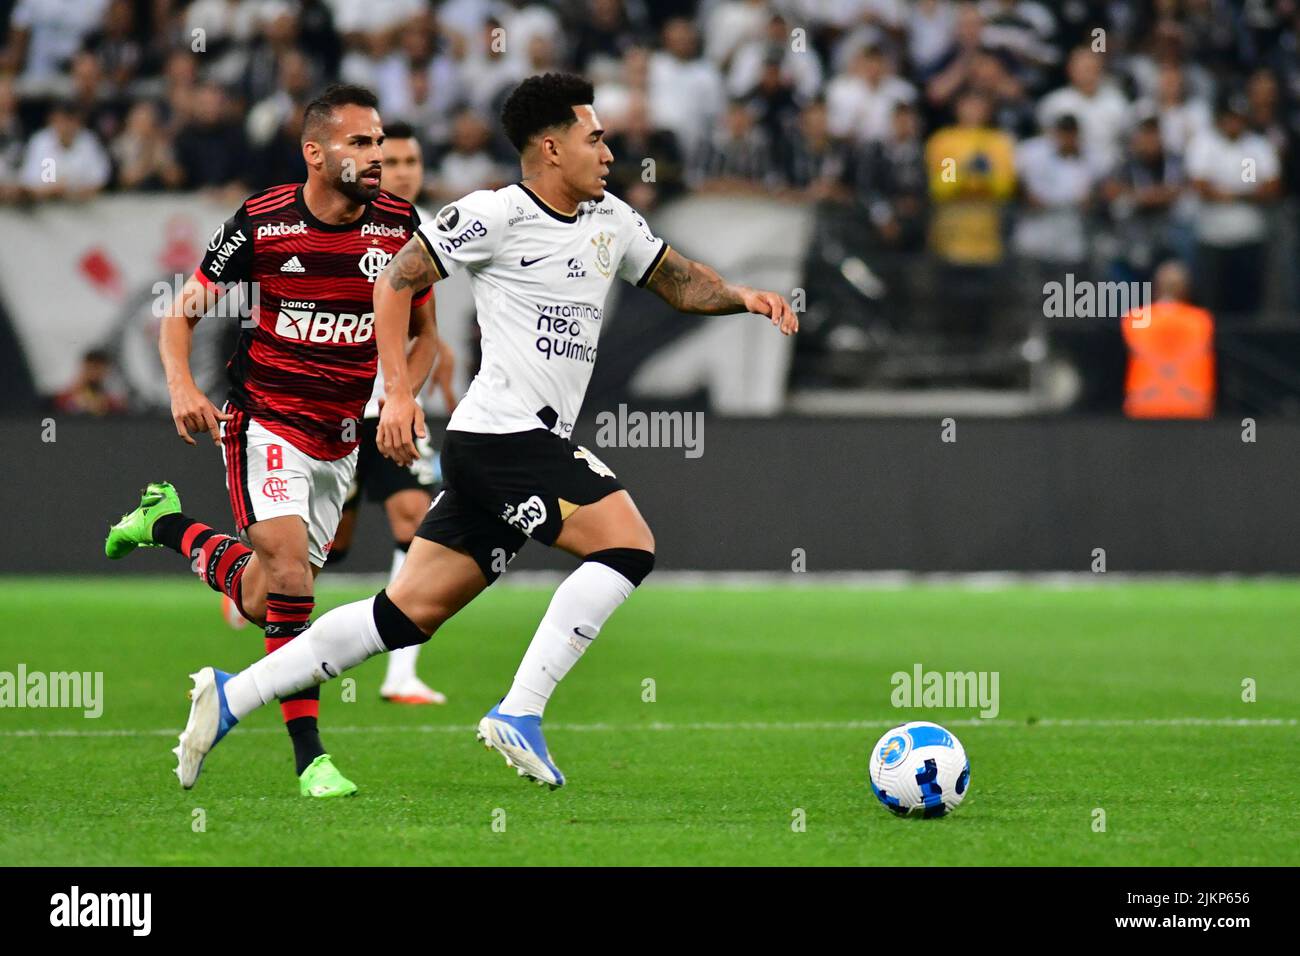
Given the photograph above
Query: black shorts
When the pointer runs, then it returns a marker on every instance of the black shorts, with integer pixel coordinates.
(379, 478)
(500, 490)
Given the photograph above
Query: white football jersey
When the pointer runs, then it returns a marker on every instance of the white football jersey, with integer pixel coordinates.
(372, 406)
(540, 279)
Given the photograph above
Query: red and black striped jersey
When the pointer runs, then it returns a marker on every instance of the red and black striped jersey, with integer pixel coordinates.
(306, 360)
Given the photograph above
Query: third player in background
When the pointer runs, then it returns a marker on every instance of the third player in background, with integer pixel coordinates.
(405, 492)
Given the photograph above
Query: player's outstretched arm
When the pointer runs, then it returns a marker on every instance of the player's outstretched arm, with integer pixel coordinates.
(401, 420)
(690, 286)
(191, 410)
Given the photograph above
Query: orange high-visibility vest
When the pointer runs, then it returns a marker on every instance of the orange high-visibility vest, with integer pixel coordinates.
(1170, 362)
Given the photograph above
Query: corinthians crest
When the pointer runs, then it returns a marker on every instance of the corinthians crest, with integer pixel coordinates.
(604, 258)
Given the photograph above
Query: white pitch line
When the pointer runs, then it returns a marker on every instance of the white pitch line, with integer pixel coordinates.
(723, 726)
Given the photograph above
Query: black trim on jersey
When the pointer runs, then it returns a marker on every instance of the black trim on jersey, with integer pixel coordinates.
(654, 264)
(315, 223)
(243, 468)
(237, 369)
(428, 247)
(546, 207)
(241, 443)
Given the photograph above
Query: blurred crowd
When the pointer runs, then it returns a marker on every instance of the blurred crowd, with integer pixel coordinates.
(1174, 120)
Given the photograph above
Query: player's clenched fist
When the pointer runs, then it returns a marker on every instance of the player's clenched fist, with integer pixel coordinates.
(774, 306)
(192, 412)
(401, 422)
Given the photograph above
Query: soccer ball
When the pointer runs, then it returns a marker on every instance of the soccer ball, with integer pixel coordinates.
(919, 767)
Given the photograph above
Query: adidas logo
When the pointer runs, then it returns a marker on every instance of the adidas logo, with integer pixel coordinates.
(293, 265)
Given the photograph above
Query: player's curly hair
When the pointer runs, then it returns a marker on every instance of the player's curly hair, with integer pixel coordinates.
(542, 102)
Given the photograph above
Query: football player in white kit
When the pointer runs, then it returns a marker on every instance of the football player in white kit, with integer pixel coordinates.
(542, 255)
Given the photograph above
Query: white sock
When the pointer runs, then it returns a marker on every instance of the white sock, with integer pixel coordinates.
(401, 662)
(401, 666)
(582, 604)
(338, 640)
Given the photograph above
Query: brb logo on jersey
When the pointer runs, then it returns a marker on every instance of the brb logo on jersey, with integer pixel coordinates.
(373, 262)
(277, 489)
(308, 325)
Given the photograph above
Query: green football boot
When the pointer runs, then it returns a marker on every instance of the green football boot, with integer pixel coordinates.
(135, 530)
(322, 779)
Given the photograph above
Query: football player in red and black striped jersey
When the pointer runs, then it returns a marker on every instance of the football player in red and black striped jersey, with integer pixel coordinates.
(307, 256)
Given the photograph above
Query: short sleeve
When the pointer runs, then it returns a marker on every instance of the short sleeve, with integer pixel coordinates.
(229, 255)
(465, 234)
(644, 250)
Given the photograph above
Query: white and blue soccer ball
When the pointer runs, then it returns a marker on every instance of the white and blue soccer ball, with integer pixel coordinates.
(920, 768)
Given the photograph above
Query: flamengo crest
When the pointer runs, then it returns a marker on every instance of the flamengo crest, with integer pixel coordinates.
(373, 262)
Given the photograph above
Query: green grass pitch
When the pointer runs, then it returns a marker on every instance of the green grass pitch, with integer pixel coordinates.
(1125, 697)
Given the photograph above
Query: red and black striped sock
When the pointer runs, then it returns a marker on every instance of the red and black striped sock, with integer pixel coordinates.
(218, 559)
(287, 616)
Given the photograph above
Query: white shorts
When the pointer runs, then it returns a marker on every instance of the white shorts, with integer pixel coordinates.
(268, 477)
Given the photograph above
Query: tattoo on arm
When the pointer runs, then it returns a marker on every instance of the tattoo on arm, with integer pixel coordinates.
(411, 268)
(690, 286)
